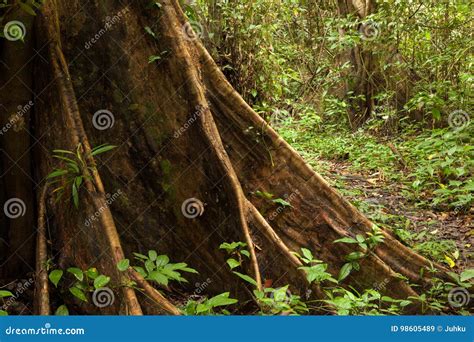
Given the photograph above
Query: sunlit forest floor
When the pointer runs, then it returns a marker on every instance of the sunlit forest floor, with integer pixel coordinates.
(392, 182)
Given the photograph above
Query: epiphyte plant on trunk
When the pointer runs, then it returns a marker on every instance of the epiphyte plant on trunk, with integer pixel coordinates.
(75, 170)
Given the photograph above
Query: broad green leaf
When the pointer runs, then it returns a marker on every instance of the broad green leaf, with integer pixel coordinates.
(4, 293)
(162, 260)
(307, 253)
(221, 300)
(78, 293)
(467, 274)
(345, 271)
(27, 8)
(62, 311)
(346, 240)
(152, 255)
(55, 276)
(158, 277)
(76, 272)
(233, 263)
(246, 278)
(123, 265)
(101, 281)
(3, 313)
(150, 266)
(354, 256)
(92, 273)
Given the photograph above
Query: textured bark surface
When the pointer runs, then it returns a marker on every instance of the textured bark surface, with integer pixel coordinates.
(182, 132)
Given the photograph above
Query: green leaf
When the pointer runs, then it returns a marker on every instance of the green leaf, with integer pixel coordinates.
(307, 253)
(467, 275)
(101, 281)
(3, 313)
(345, 271)
(57, 173)
(62, 311)
(200, 308)
(76, 272)
(78, 293)
(152, 255)
(4, 294)
(150, 31)
(150, 266)
(263, 194)
(246, 278)
(233, 263)
(153, 58)
(162, 260)
(75, 195)
(245, 252)
(64, 152)
(123, 265)
(158, 277)
(27, 8)
(221, 300)
(140, 256)
(92, 273)
(354, 256)
(281, 202)
(55, 276)
(346, 240)
(102, 149)
(140, 270)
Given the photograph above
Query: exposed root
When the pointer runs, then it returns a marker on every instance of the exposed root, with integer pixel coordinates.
(154, 294)
(42, 285)
(96, 189)
(211, 133)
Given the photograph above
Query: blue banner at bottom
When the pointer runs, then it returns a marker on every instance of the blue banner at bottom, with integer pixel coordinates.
(238, 328)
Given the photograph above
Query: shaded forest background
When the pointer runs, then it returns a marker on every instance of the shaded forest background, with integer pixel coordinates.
(376, 95)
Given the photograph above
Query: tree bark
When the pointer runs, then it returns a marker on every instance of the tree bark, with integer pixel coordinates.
(182, 132)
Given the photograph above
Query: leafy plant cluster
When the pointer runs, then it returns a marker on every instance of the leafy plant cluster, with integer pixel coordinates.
(74, 171)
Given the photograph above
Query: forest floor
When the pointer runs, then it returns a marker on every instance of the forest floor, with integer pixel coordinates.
(365, 171)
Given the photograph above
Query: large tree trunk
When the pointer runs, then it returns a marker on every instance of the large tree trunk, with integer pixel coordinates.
(182, 133)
